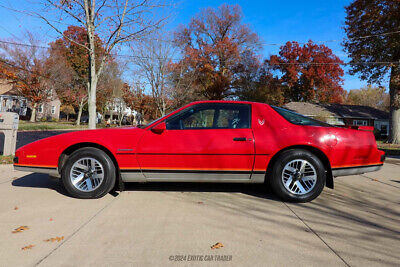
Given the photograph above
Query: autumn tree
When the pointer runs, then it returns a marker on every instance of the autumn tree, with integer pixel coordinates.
(69, 63)
(183, 84)
(67, 110)
(309, 73)
(136, 98)
(254, 81)
(63, 80)
(24, 66)
(152, 57)
(373, 37)
(114, 21)
(371, 96)
(212, 45)
(110, 89)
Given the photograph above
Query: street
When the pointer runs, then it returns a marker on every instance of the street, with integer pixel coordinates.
(26, 137)
(356, 224)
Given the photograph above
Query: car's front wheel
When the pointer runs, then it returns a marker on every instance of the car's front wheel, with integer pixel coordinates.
(298, 175)
(88, 173)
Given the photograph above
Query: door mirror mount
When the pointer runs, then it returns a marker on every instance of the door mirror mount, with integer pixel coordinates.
(159, 128)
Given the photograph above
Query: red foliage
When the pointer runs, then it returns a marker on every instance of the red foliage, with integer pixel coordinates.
(70, 63)
(310, 72)
(76, 55)
(137, 100)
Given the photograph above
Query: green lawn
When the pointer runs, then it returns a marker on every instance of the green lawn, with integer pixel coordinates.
(390, 149)
(58, 125)
(6, 159)
(30, 126)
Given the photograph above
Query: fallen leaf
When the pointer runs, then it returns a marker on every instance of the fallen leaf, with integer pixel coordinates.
(20, 229)
(28, 247)
(200, 202)
(217, 246)
(54, 239)
(15, 208)
(376, 180)
(15, 178)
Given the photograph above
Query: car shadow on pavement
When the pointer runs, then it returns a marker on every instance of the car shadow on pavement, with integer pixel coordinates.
(255, 190)
(37, 180)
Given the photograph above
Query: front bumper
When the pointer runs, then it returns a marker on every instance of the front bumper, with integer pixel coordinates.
(50, 171)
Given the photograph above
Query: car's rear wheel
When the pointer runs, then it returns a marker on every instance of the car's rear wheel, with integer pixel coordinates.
(298, 175)
(88, 173)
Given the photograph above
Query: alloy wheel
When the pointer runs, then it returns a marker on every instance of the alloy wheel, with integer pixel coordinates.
(87, 174)
(299, 176)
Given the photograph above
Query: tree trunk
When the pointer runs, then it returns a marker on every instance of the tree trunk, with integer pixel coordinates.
(120, 118)
(78, 120)
(93, 75)
(394, 86)
(92, 103)
(33, 114)
(67, 117)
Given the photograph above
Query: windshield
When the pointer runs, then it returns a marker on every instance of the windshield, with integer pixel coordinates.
(298, 119)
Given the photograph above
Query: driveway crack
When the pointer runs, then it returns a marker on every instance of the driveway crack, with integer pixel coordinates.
(77, 230)
(315, 233)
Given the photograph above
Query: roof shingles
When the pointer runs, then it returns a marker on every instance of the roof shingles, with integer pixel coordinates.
(337, 110)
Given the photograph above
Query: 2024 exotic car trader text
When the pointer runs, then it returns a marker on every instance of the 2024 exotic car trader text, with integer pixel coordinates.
(208, 141)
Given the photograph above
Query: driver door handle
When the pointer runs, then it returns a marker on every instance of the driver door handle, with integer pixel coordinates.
(241, 139)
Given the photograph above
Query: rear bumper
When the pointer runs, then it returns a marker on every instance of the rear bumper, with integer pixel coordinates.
(50, 171)
(355, 170)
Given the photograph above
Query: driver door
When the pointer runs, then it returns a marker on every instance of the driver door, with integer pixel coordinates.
(205, 142)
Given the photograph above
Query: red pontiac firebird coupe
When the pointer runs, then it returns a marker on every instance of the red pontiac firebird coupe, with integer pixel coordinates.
(208, 141)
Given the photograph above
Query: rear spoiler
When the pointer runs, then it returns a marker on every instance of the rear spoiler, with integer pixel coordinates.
(361, 128)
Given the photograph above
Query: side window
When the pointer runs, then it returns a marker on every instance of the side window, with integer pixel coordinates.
(194, 118)
(200, 119)
(212, 116)
(235, 117)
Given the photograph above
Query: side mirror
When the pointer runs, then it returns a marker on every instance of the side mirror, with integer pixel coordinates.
(159, 128)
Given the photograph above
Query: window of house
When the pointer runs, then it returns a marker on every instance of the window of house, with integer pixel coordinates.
(211, 116)
(40, 109)
(53, 109)
(384, 129)
(360, 122)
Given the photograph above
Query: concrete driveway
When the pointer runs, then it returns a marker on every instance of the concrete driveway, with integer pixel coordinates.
(357, 224)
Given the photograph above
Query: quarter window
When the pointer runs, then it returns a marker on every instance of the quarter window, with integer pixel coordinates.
(298, 119)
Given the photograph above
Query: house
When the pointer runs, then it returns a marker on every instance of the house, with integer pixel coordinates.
(10, 101)
(49, 109)
(338, 114)
(118, 111)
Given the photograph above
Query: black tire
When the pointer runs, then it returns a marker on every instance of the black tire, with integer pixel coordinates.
(277, 183)
(106, 184)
